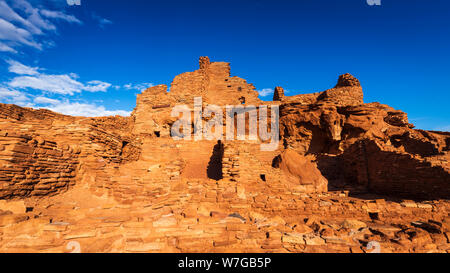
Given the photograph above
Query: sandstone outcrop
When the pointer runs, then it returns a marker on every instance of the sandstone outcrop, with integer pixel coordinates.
(346, 173)
(302, 169)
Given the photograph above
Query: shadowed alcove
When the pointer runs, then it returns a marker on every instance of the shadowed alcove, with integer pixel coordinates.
(214, 170)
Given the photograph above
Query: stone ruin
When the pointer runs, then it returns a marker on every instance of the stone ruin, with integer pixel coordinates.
(345, 173)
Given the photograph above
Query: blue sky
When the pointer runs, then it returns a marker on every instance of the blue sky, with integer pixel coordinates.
(94, 58)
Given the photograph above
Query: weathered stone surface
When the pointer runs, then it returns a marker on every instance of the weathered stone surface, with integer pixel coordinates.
(301, 168)
(353, 224)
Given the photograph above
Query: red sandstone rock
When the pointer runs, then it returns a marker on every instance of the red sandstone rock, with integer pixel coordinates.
(302, 169)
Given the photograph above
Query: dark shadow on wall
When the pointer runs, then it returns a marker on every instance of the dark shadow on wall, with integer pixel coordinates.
(366, 170)
(214, 170)
(333, 168)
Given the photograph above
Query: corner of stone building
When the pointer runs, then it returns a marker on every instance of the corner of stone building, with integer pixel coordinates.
(278, 93)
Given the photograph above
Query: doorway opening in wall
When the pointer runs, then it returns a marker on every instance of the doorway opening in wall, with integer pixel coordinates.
(157, 133)
(263, 177)
(374, 215)
(124, 147)
(214, 170)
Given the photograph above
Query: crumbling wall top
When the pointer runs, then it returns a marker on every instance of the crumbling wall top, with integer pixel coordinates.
(204, 62)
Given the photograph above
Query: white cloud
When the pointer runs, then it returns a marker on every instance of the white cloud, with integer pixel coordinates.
(21, 24)
(97, 86)
(443, 128)
(139, 86)
(84, 109)
(265, 92)
(44, 100)
(65, 84)
(41, 23)
(5, 48)
(10, 15)
(74, 75)
(13, 96)
(104, 21)
(59, 84)
(18, 68)
(60, 15)
(64, 107)
(101, 21)
(16, 35)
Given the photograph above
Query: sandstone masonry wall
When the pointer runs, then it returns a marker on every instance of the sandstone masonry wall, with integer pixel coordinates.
(34, 167)
(347, 91)
(45, 153)
(390, 172)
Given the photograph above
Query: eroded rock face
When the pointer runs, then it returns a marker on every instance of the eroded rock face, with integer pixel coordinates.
(302, 169)
(123, 184)
(372, 145)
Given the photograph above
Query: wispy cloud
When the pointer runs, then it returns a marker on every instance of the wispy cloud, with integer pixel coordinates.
(102, 22)
(22, 24)
(65, 84)
(83, 109)
(18, 68)
(265, 92)
(12, 35)
(25, 24)
(443, 128)
(138, 86)
(5, 48)
(59, 84)
(8, 95)
(21, 90)
(60, 15)
(8, 14)
(63, 106)
(44, 100)
(97, 86)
